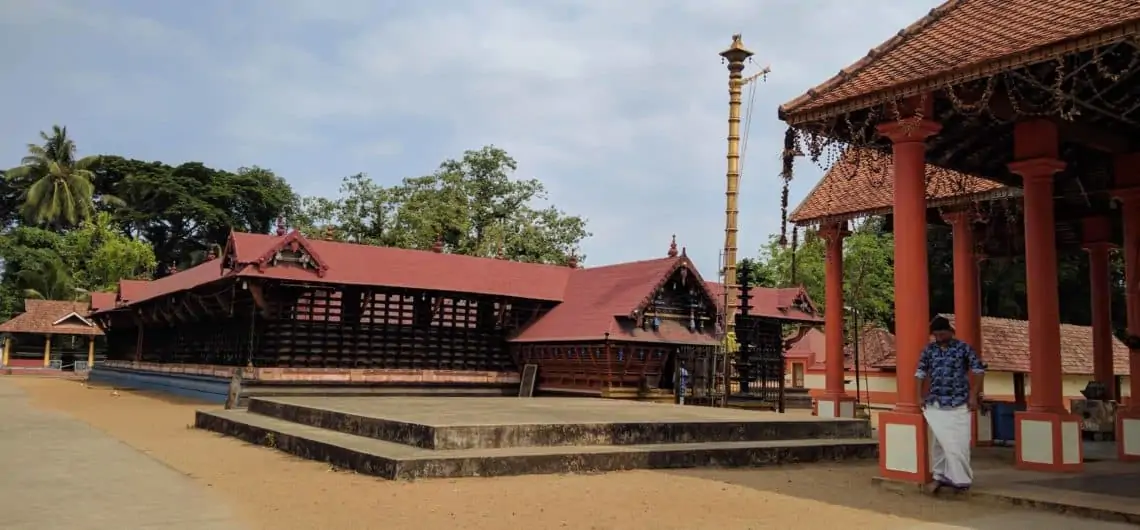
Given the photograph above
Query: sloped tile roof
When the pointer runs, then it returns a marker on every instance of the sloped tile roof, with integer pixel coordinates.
(354, 264)
(961, 40)
(779, 303)
(861, 183)
(1005, 348)
(598, 299)
(876, 346)
(101, 301)
(50, 317)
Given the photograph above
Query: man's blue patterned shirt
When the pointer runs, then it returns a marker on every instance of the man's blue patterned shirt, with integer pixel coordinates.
(949, 370)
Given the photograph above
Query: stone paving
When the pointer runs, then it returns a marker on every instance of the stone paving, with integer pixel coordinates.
(58, 473)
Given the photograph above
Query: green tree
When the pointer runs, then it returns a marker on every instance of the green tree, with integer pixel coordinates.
(472, 203)
(99, 256)
(58, 188)
(868, 274)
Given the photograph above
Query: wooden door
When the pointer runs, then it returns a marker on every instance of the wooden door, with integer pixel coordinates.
(797, 375)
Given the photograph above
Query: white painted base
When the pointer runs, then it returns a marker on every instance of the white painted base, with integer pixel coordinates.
(1036, 442)
(900, 447)
(1130, 436)
(832, 408)
(985, 430)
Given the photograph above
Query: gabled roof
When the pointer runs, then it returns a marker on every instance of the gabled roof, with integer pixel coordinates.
(860, 184)
(131, 290)
(783, 303)
(1005, 348)
(52, 317)
(353, 264)
(596, 298)
(963, 40)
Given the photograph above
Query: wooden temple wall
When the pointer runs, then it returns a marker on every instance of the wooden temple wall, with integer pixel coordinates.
(588, 366)
(290, 326)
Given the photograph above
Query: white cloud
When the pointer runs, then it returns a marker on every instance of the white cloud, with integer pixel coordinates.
(618, 106)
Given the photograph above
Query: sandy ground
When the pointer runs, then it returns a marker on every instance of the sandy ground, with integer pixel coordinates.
(269, 489)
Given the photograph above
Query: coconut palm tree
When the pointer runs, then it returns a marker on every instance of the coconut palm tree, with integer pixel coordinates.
(60, 189)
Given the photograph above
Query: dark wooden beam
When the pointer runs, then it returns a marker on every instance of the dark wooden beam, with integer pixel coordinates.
(1097, 138)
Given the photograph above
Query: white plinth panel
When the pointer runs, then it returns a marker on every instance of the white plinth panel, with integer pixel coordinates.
(834, 408)
(1130, 436)
(1037, 441)
(1071, 442)
(901, 448)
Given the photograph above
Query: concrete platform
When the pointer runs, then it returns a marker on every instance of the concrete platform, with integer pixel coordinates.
(416, 437)
(474, 423)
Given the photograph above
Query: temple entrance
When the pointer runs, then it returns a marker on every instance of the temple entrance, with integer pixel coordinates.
(797, 375)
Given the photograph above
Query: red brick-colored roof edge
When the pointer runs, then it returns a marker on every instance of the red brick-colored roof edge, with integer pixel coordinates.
(965, 40)
(859, 184)
(681, 262)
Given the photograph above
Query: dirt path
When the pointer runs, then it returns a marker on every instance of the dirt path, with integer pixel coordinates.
(269, 489)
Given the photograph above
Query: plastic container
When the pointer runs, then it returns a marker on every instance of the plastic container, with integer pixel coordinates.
(1002, 413)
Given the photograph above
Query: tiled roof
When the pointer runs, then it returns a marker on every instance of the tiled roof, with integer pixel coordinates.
(780, 303)
(812, 347)
(101, 301)
(962, 40)
(52, 317)
(599, 301)
(860, 184)
(876, 346)
(354, 264)
(132, 290)
(1005, 348)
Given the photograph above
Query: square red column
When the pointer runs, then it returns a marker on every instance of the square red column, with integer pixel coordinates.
(1127, 177)
(835, 402)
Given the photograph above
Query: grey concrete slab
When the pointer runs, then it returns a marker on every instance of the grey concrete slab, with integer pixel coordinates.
(474, 411)
(59, 473)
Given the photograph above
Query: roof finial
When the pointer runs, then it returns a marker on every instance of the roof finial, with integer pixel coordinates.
(438, 246)
(684, 252)
(673, 247)
(502, 254)
(211, 255)
(573, 261)
(281, 225)
(173, 269)
(330, 233)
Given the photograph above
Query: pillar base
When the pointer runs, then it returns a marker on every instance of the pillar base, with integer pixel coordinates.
(841, 406)
(904, 449)
(1048, 441)
(1128, 434)
(982, 432)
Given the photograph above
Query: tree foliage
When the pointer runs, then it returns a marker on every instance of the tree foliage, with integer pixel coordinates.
(70, 226)
(868, 282)
(471, 204)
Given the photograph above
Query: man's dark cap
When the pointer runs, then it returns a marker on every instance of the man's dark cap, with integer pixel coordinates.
(940, 324)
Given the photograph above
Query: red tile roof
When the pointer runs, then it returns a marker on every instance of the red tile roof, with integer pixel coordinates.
(102, 300)
(812, 347)
(599, 302)
(52, 317)
(784, 303)
(132, 290)
(354, 264)
(860, 184)
(876, 346)
(1005, 348)
(962, 40)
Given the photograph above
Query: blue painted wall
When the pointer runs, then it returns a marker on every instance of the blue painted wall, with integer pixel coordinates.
(211, 389)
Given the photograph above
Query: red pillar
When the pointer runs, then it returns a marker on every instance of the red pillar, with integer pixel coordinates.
(834, 403)
(1127, 178)
(1047, 437)
(903, 449)
(1097, 241)
(967, 300)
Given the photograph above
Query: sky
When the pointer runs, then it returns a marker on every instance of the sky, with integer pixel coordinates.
(618, 107)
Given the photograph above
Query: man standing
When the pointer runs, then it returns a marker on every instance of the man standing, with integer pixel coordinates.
(950, 378)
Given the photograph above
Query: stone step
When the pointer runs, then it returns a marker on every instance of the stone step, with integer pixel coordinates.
(476, 423)
(398, 461)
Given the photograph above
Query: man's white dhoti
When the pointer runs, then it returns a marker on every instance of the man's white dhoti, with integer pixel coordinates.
(950, 446)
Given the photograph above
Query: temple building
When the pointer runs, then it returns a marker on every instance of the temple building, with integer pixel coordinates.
(49, 334)
(293, 310)
(1033, 101)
